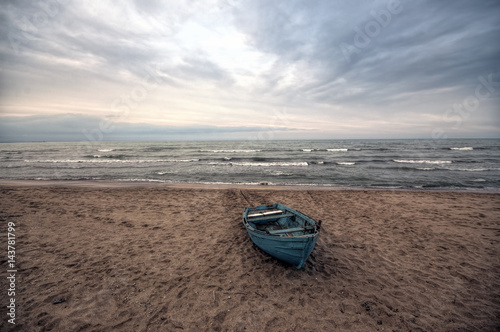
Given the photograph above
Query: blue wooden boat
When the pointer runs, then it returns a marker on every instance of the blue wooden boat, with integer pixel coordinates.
(282, 232)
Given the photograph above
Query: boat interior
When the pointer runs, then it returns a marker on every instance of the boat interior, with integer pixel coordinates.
(278, 222)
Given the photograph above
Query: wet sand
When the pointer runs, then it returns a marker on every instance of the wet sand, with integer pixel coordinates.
(135, 257)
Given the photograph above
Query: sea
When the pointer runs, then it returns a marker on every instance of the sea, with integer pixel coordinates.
(445, 164)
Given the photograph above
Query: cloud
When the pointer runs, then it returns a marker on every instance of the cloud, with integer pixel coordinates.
(75, 127)
(228, 63)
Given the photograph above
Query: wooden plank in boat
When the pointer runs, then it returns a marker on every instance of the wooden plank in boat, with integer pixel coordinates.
(261, 214)
(271, 217)
(286, 230)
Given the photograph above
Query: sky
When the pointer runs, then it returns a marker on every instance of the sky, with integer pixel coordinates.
(249, 69)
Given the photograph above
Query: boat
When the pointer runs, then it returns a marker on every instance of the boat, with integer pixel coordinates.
(282, 232)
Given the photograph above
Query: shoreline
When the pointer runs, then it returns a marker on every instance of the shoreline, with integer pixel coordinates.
(201, 185)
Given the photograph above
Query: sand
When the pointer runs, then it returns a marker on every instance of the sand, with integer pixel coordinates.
(103, 257)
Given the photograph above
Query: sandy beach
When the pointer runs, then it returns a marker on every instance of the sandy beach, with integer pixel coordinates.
(135, 257)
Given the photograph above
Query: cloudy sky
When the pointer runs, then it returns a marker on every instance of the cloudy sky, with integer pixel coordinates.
(248, 69)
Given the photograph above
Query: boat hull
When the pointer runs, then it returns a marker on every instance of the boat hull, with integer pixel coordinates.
(292, 242)
(294, 251)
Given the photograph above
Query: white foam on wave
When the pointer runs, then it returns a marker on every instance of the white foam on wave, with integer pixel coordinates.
(180, 160)
(346, 163)
(422, 161)
(336, 150)
(482, 169)
(465, 148)
(270, 164)
(266, 183)
(231, 151)
(259, 164)
(109, 161)
(281, 173)
(105, 150)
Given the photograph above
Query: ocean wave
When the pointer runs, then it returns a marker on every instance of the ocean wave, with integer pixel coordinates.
(104, 161)
(262, 183)
(261, 164)
(153, 149)
(270, 164)
(11, 152)
(281, 173)
(371, 161)
(111, 156)
(51, 167)
(409, 161)
(12, 166)
(465, 148)
(346, 163)
(373, 149)
(401, 168)
(328, 150)
(105, 150)
(482, 169)
(143, 180)
(231, 151)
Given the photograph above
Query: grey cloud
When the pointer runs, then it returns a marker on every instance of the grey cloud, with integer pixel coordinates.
(76, 127)
(426, 45)
(74, 34)
(196, 67)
